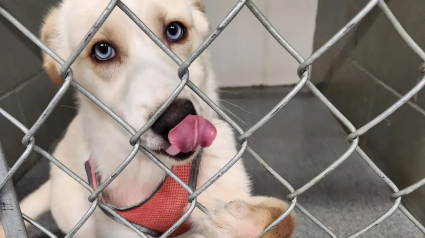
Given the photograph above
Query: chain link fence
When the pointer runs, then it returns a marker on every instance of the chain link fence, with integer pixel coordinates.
(12, 218)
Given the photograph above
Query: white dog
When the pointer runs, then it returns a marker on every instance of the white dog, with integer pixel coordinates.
(130, 74)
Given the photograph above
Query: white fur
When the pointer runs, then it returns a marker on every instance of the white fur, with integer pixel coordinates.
(134, 88)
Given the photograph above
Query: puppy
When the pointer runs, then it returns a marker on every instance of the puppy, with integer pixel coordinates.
(123, 68)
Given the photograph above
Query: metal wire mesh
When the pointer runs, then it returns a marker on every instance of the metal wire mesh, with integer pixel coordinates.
(304, 72)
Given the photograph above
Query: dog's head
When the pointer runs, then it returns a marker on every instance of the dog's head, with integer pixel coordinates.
(129, 73)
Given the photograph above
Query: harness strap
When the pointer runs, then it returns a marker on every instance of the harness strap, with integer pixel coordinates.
(94, 180)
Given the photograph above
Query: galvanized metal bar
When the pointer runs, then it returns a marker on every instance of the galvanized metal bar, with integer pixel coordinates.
(276, 109)
(403, 33)
(135, 138)
(379, 220)
(63, 168)
(412, 218)
(184, 78)
(148, 32)
(316, 221)
(105, 108)
(331, 107)
(215, 107)
(111, 177)
(414, 46)
(122, 220)
(217, 31)
(181, 220)
(172, 175)
(49, 109)
(306, 76)
(283, 182)
(13, 120)
(409, 189)
(281, 217)
(83, 220)
(165, 169)
(278, 37)
(17, 164)
(392, 186)
(304, 71)
(389, 110)
(350, 25)
(270, 170)
(24, 155)
(30, 36)
(87, 38)
(183, 71)
(377, 170)
(38, 226)
(220, 173)
(325, 172)
(202, 208)
(10, 212)
(341, 159)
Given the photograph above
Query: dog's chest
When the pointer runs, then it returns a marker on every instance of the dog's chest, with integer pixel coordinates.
(127, 194)
(155, 210)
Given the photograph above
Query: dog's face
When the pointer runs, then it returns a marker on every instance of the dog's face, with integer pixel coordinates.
(125, 69)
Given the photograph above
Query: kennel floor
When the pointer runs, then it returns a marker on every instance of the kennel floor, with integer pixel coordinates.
(299, 142)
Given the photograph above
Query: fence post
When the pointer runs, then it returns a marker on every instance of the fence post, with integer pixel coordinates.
(10, 212)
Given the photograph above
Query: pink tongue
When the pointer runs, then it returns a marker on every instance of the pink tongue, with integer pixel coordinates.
(190, 133)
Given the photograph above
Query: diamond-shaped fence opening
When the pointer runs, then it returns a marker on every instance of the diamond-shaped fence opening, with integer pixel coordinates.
(12, 219)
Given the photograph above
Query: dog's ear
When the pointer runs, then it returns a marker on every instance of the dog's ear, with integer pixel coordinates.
(50, 36)
(201, 22)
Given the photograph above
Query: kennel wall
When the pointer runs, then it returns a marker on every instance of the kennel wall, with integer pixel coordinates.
(368, 70)
(31, 130)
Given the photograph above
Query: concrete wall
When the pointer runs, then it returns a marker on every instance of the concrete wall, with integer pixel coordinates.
(245, 54)
(366, 72)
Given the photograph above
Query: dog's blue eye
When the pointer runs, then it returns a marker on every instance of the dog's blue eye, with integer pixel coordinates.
(175, 31)
(103, 51)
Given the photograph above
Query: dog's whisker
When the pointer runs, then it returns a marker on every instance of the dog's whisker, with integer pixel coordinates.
(225, 91)
(233, 99)
(239, 107)
(219, 123)
(244, 124)
(233, 114)
(66, 106)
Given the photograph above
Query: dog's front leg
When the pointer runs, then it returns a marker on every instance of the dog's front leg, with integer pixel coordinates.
(69, 204)
(232, 210)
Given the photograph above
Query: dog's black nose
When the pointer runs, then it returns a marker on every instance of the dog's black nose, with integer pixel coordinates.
(176, 112)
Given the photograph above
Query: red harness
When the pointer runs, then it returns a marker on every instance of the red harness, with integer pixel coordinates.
(163, 208)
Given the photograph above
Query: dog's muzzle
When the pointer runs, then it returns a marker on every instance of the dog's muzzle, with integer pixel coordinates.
(183, 130)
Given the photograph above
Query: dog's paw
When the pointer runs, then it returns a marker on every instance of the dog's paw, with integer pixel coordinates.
(236, 219)
(245, 220)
